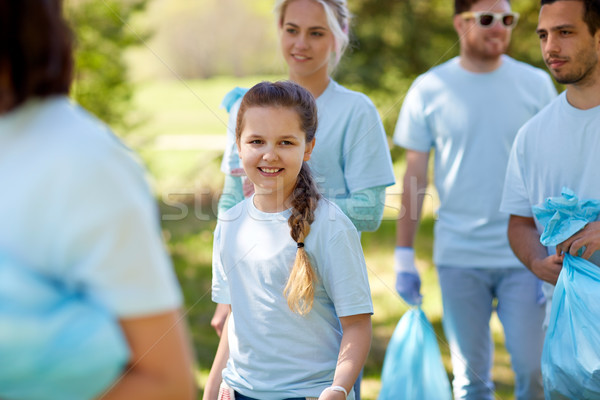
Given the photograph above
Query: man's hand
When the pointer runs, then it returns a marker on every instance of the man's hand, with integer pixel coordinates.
(408, 282)
(587, 240)
(547, 269)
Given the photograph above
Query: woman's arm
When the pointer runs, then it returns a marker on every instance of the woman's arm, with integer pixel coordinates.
(211, 390)
(161, 360)
(364, 208)
(356, 342)
(232, 194)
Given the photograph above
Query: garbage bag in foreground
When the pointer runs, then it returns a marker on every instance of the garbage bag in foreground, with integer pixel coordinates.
(571, 355)
(413, 367)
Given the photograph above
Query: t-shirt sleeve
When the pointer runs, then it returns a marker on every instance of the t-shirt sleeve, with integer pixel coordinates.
(345, 275)
(515, 199)
(366, 154)
(113, 244)
(412, 131)
(220, 288)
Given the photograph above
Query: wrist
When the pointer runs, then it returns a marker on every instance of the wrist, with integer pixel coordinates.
(336, 388)
(404, 260)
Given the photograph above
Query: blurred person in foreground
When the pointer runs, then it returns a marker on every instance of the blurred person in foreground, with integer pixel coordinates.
(469, 110)
(79, 227)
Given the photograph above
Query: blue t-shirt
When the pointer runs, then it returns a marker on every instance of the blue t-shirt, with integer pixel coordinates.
(275, 353)
(81, 230)
(471, 120)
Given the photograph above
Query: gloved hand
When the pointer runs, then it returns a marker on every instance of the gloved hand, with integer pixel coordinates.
(408, 282)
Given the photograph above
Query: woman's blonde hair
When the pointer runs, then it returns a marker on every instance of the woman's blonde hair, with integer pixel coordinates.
(299, 289)
(338, 19)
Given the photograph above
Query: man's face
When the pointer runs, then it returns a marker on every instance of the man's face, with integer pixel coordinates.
(569, 50)
(484, 42)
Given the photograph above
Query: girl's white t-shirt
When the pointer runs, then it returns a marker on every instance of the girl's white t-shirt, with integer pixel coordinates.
(275, 353)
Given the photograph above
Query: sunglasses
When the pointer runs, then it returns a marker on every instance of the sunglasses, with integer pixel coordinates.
(487, 19)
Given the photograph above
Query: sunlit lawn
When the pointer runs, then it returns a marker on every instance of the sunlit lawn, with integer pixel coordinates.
(188, 181)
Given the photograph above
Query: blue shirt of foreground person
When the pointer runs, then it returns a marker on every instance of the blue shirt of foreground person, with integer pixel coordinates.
(78, 218)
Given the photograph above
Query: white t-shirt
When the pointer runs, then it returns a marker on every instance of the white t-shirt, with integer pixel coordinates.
(557, 148)
(471, 120)
(75, 207)
(351, 151)
(275, 353)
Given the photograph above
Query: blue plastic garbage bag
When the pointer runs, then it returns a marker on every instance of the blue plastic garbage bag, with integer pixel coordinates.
(571, 355)
(413, 368)
(54, 343)
(564, 216)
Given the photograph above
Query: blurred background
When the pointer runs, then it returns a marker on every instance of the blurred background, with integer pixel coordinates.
(156, 72)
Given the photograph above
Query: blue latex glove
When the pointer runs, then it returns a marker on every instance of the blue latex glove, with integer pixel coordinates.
(408, 281)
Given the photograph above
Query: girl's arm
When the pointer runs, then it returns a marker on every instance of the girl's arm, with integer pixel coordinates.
(356, 342)
(211, 390)
(364, 207)
(161, 360)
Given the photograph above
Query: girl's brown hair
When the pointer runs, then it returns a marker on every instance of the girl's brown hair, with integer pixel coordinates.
(299, 289)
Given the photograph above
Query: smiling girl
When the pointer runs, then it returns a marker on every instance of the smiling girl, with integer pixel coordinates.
(351, 162)
(290, 265)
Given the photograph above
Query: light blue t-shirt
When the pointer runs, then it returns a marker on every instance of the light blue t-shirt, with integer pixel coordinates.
(275, 353)
(76, 207)
(351, 151)
(80, 230)
(471, 120)
(557, 148)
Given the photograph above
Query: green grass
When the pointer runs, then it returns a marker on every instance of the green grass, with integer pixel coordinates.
(188, 181)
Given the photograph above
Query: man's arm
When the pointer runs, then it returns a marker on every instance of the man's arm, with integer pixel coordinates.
(524, 240)
(415, 184)
(408, 282)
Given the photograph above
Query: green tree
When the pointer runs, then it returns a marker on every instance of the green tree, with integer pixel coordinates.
(396, 40)
(102, 34)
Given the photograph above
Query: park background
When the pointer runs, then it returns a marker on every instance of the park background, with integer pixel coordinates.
(156, 72)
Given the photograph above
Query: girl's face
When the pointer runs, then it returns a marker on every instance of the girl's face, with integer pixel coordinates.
(272, 147)
(306, 40)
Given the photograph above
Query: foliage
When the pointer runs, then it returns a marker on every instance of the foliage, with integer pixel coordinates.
(396, 40)
(102, 33)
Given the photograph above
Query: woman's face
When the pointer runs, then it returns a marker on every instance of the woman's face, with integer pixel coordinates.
(306, 40)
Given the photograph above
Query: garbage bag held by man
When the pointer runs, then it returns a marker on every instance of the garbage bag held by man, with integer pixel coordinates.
(413, 367)
(571, 355)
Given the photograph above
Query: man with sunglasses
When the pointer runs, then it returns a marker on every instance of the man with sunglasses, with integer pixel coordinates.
(559, 147)
(469, 110)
